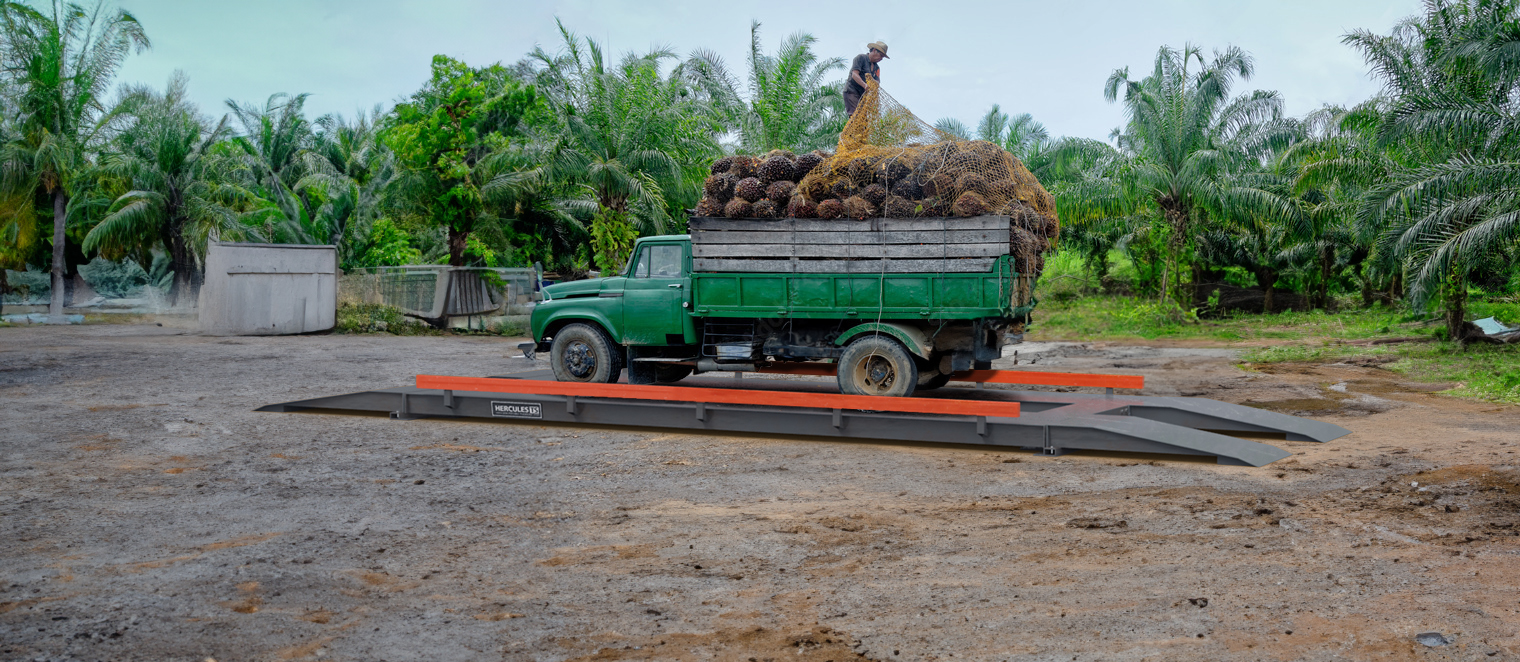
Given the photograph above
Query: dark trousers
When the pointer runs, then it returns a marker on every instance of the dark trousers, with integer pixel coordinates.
(851, 99)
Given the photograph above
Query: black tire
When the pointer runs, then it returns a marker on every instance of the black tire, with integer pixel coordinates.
(877, 365)
(583, 353)
(654, 373)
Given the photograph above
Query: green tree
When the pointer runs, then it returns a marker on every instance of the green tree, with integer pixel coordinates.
(1184, 134)
(59, 64)
(786, 104)
(453, 139)
(634, 139)
(163, 156)
(1449, 134)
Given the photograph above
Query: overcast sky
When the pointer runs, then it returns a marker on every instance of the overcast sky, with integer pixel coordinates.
(948, 59)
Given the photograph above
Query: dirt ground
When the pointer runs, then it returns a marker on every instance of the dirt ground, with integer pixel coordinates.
(148, 513)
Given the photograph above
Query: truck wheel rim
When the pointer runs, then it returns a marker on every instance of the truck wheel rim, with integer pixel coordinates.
(875, 374)
(580, 360)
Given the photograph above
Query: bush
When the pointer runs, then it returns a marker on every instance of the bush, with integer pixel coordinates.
(378, 318)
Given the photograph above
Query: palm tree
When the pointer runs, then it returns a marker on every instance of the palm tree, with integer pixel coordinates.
(1021, 135)
(1184, 132)
(59, 64)
(1450, 131)
(789, 105)
(347, 170)
(632, 138)
(164, 156)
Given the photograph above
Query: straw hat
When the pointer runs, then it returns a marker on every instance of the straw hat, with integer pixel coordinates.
(880, 46)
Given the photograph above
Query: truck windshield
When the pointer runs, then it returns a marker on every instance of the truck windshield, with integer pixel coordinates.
(658, 261)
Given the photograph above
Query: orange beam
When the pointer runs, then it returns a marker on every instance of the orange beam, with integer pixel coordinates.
(722, 396)
(985, 376)
(1049, 378)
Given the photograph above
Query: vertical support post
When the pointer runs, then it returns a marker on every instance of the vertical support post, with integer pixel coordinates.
(448, 398)
(838, 418)
(981, 426)
(701, 411)
(570, 405)
(1108, 392)
(738, 375)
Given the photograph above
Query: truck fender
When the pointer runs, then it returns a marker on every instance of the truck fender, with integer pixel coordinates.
(579, 315)
(912, 338)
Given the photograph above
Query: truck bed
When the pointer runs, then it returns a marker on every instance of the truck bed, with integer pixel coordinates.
(918, 268)
(848, 246)
(996, 292)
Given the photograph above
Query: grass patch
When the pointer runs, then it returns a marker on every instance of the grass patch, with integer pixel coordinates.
(1485, 372)
(379, 318)
(1126, 318)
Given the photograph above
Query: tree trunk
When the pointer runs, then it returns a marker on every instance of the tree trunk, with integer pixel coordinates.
(1326, 265)
(456, 246)
(1171, 280)
(5, 288)
(183, 291)
(1454, 303)
(1268, 281)
(55, 306)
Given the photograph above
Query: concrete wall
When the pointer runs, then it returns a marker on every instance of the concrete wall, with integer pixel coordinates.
(269, 289)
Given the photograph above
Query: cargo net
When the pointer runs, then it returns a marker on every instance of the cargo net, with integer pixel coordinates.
(889, 163)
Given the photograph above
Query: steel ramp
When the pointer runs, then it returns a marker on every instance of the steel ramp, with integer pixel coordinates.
(1043, 422)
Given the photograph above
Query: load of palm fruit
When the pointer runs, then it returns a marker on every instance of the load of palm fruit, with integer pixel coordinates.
(889, 164)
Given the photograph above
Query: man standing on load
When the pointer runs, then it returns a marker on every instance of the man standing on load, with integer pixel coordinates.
(864, 65)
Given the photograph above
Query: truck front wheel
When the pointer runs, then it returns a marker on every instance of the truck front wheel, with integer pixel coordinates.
(874, 365)
(583, 353)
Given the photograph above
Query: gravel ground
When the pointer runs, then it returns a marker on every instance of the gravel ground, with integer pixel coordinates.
(148, 513)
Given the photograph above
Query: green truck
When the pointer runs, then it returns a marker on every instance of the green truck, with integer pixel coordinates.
(898, 305)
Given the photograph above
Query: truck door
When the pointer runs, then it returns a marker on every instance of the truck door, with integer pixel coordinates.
(652, 296)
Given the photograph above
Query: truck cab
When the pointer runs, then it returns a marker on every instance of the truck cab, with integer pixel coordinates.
(884, 334)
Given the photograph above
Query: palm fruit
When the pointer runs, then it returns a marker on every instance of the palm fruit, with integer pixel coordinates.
(780, 192)
(830, 209)
(799, 207)
(774, 169)
(743, 166)
(709, 208)
(858, 207)
(722, 165)
(1001, 189)
(894, 170)
(970, 204)
(765, 209)
(934, 207)
(861, 171)
(719, 187)
(780, 152)
(971, 182)
(874, 194)
(738, 208)
(908, 188)
(805, 164)
(939, 184)
(1023, 243)
(899, 207)
(817, 189)
(842, 189)
(1023, 217)
(750, 189)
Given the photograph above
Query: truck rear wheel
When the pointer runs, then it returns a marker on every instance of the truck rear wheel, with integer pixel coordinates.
(583, 353)
(874, 365)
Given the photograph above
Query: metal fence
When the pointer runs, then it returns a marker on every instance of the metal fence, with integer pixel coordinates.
(436, 291)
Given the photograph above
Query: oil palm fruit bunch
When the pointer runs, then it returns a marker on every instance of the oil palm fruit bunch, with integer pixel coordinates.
(858, 208)
(799, 207)
(739, 208)
(775, 169)
(830, 209)
(765, 209)
(780, 192)
(750, 189)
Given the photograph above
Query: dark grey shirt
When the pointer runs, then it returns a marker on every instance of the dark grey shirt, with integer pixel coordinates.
(866, 67)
